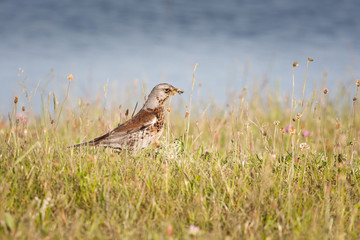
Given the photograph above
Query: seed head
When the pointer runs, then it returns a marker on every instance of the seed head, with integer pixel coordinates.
(186, 106)
(310, 59)
(276, 122)
(292, 130)
(326, 91)
(354, 99)
(187, 114)
(244, 90)
(358, 83)
(295, 64)
(16, 100)
(168, 109)
(70, 77)
(23, 108)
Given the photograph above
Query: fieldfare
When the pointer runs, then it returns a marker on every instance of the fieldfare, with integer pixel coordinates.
(144, 128)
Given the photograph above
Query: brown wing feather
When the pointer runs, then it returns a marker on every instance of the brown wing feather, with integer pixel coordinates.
(141, 120)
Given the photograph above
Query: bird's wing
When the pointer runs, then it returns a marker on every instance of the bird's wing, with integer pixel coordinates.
(141, 120)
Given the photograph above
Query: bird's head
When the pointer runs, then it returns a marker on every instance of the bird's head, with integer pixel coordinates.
(160, 93)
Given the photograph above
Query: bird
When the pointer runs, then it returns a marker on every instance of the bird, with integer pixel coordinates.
(144, 128)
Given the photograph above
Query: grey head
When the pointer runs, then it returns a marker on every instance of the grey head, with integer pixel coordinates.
(159, 94)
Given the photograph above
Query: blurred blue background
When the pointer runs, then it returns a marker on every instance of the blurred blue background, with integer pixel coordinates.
(234, 43)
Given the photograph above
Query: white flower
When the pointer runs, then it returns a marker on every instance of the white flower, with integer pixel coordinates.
(193, 229)
(304, 146)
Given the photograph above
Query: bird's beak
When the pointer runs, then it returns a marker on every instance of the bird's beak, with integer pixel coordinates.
(177, 90)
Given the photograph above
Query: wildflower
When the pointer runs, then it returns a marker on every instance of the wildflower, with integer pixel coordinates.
(186, 106)
(168, 109)
(20, 116)
(326, 91)
(187, 114)
(276, 122)
(354, 99)
(358, 83)
(193, 229)
(310, 59)
(304, 146)
(16, 100)
(306, 133)
(290, 129)
(170, 231)
(70, 77)
(23, 108)
(295, 64)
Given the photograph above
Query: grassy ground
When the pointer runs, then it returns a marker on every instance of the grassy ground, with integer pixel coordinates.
(239, 171)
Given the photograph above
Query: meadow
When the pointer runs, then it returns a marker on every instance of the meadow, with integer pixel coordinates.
(263, 166)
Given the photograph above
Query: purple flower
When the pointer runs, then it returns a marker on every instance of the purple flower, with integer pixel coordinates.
(288, 127)
(306, 133)
(20, 116)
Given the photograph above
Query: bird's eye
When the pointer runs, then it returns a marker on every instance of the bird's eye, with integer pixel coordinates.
(167, 90)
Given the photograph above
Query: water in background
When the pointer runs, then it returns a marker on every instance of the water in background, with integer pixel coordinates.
(234, 42)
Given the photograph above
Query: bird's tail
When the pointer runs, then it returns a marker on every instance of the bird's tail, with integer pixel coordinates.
(93, 142)
(90, 143)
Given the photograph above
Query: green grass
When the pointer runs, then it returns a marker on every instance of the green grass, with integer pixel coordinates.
(233, 174)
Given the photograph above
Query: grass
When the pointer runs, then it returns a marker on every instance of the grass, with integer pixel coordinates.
(229, 172)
